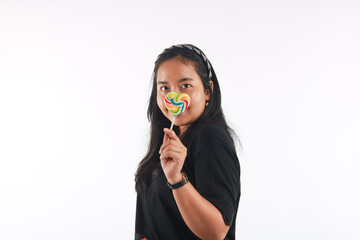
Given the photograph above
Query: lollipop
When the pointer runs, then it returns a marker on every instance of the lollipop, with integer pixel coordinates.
(176, 104)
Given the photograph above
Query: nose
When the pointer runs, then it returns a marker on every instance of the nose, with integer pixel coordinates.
(176, 90)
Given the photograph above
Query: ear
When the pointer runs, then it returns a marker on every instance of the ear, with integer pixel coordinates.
(207, 92)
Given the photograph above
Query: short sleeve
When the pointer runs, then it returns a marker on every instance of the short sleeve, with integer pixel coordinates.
(217, 170)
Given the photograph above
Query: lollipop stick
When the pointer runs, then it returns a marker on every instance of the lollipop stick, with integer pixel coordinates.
(172, 123)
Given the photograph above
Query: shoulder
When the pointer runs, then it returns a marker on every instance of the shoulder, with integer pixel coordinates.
(213, 133)
(213, 149)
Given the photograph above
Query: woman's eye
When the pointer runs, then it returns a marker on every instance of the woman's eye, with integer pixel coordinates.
(186, 85)
(164, 88)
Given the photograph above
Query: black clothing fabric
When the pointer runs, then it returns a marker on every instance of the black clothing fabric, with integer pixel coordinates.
(213, 168)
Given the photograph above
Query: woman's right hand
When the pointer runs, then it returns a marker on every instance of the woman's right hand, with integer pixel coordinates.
(172, 156)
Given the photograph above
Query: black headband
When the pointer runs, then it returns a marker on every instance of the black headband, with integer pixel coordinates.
(198, 52)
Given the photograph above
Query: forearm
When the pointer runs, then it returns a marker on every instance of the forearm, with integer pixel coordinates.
(203, 218)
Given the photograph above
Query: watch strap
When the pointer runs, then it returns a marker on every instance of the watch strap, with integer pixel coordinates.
(179, 184)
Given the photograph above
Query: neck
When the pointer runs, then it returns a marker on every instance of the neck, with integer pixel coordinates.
(182, 129)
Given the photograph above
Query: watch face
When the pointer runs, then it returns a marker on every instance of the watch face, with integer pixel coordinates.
(185, 177)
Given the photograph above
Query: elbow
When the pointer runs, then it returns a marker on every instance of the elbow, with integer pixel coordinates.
(222, 234)
(219, 235)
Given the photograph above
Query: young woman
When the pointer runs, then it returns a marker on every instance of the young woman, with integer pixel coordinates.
(188, 184)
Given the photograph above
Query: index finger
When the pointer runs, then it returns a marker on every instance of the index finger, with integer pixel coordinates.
(166, 137)
(171, 134)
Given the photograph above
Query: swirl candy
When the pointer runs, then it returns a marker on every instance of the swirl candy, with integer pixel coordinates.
(177, 103)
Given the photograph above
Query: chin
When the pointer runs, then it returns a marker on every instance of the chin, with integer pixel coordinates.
(181, 122)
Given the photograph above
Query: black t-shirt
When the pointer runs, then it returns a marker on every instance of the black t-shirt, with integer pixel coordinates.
(213, 168)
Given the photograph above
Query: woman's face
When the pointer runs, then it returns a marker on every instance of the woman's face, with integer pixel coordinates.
(175, 76)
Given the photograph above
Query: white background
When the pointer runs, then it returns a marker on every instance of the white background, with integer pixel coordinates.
(74, 85)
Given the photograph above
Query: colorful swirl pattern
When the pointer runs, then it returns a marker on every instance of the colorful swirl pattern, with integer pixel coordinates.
(177, 103)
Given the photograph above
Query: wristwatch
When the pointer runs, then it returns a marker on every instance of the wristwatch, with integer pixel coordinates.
(179, 184)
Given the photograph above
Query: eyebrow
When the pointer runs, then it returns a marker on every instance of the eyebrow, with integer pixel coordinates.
(181, 80)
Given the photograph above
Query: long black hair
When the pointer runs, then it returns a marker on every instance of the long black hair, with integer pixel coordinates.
(189, 54)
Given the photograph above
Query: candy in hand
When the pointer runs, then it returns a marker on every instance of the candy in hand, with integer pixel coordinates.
(177, 103)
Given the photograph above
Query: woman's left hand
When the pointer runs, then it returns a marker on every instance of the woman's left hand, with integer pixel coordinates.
(172, 156)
